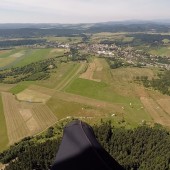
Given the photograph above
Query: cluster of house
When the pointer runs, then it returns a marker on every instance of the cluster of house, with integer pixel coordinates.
(127, 54)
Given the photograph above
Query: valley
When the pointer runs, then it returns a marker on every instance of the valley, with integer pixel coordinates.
(89, 77)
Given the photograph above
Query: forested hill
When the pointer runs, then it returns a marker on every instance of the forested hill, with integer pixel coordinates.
(38, 30)
(144, 148)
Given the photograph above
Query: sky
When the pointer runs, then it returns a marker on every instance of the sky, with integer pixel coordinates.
(82, 11)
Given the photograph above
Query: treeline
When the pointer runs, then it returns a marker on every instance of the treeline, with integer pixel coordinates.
(162, 83)
(144, 148)
(140, 38)
(13, 43)
(115, 63)
(153, 39)
(31, 72)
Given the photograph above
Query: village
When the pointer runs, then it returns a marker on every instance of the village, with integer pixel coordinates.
(128, 56)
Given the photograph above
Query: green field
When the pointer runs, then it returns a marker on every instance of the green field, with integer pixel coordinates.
(62, 109)
(33, 56)
(22, 57)
(3, 129)
(21, 86)
(7, 53)
(116, 87)
(99, 91)
(60, 75)
(162, 51)
(64, 39)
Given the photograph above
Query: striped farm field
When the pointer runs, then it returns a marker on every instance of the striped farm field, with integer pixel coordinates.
(25, 119)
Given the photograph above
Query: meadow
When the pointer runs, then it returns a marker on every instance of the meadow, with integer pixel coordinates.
(23, 56)
(162, 51)
(3, 129)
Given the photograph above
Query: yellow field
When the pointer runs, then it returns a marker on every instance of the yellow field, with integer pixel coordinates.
(17, 55)
(6, 87)
(158, 114)
(25, 119)
(165, 104)
(32, 96)
(6, 61)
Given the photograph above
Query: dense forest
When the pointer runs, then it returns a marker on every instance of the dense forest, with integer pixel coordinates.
(32, 32)
(34, 71)
(11, 43)
(144, 148)
(162, 83)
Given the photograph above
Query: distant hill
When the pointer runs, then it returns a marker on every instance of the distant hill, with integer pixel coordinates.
(32, 30)
(81, 25)
(39, 30)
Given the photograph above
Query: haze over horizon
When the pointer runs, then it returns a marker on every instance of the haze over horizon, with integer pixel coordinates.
(82, 11)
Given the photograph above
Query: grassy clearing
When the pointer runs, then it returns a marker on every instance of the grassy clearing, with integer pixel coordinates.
(74, 72)
(3, 129)
(32, 96)
(110, 36)
(65, 107)
(97, 90)
(6, 61)
(123, 81)
(65, 39)
(10, 56)
(103, 74)
(57, 52)
(57, 76)
(162, 51)
(33, 56)
(117, 87)
(128, 39)
(62, 109)
(7, 53)
(130, 107)
(21, 86)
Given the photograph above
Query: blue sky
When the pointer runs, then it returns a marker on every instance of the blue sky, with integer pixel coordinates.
(81, 11)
